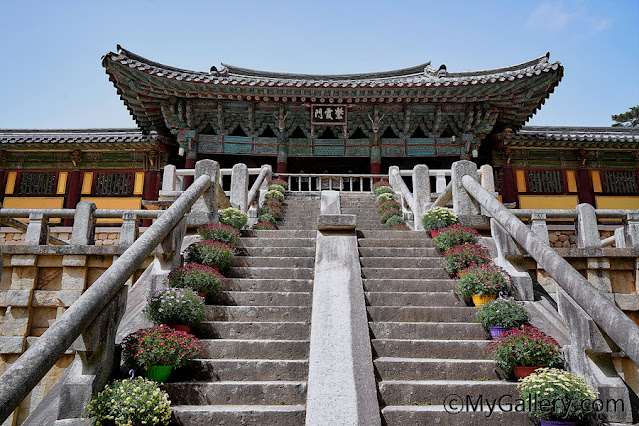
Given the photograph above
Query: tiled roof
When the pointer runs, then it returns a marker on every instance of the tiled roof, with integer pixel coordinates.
(421, 75)
(75, 136)
(573, 136)
(148, 88)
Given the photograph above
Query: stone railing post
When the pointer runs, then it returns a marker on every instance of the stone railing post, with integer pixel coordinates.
(93, 363)
(511, 258)
(587, 230)
(590, 355)
(421, 193)
(487, 179)
(38, 230)
(632, 230)
(440, 182)
(463, 203)
(539, 227)
(169, 178)
(83, 232)
(169, 189)
(239, 187)
(204, 211)
(129, 230)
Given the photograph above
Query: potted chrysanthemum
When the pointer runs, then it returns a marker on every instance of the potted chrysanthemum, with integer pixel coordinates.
(136, 401)
(525, 349)
(501, 315)
(157, 350)
(557, 397)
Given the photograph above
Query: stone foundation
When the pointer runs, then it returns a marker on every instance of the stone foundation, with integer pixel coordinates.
(37, 286)
(104, 236)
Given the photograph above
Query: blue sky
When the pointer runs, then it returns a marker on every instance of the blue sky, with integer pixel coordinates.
(51, 75)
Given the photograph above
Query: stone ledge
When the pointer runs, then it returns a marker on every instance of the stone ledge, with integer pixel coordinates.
(336, 222)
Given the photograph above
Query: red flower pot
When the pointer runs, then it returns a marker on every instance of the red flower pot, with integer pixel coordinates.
(178, 327)
(525, 371)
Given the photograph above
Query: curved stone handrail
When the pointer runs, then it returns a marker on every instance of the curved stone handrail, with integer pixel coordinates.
(618, 326)
(25, 373)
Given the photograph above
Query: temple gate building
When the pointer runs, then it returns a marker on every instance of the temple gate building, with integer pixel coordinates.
(358, 123)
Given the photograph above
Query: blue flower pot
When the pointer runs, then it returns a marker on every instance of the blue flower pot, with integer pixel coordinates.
(496, 331)
(558, 422)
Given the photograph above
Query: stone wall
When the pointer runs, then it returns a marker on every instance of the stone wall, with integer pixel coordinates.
(566, 236)
(36, 287)
(614, 272)
(104, 236)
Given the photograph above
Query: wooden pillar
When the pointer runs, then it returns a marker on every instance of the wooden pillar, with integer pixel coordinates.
(150, 191)
(282, 158)
(507, 187)
(190, 164)
(73, 193)
(584, 186)
(376, 161)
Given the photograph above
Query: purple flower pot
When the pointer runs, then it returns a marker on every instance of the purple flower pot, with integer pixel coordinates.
(496, 331)
(558, 422)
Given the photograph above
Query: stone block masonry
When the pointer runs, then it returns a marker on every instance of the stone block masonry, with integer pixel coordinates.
(38, 284)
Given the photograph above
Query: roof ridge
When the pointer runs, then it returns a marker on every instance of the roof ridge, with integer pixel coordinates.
(402, 72)
(544, 59)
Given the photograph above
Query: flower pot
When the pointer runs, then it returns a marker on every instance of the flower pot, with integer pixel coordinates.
(158, 373)
(525, 371)
(202, 295)
(481, 300)
(178, 327)
(496, 331)
(558, 422)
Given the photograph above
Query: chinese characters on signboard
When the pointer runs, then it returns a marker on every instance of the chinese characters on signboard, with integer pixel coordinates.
(328, 114)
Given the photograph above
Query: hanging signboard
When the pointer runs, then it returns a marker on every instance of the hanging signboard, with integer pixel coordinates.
(329, 114)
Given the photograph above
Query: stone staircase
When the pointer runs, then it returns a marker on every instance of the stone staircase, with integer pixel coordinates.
(300, 211)
(254, 363)
(364, 206)
(426, 343)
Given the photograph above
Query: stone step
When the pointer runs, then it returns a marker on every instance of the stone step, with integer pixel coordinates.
(413, 235)
(427, 330)
(433, 392)
(394, 240)
(278, 234)
(431, 285)
(237, 393)
(292, 330)
(413, 299)
(401, 262)
(263, 298)
(241, 369)
(274, 262)
(398, 273)
(436, 414)
(272, 273)
(254, 349)
(278, 251)
(253, 284)
(398, 252)
(436, 369)
(413, 348)
(421, 313)
(276, 242)
(246, 415)
(258, 313)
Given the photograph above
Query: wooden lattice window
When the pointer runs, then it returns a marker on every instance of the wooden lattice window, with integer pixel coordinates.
(546, 181)
(621, 181)
(37, 183)
(114, 184)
